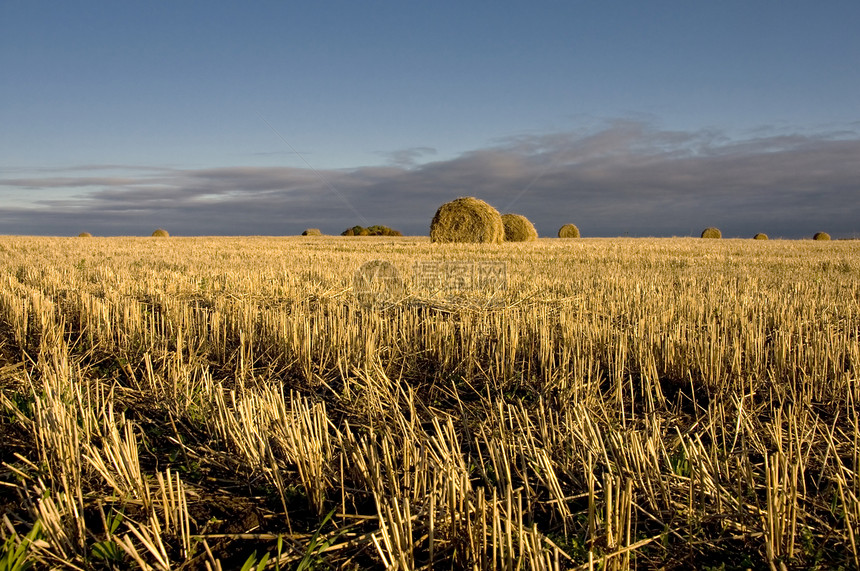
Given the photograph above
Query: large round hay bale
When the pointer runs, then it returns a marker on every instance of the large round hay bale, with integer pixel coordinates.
(760, 236)
(712, 233)
(518, 228)
(568, 231)
(85, 235)
(312, 232)
(821, 236)
(160, 233)
(467, 219)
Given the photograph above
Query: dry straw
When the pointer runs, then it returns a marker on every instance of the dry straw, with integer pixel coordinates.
(312, 232)
(760, 236)
(85, 235)
(453, 478)
(712, 233)
(467, 219)
(518, 228)
(568, 231)
(161, 233)
(821, 236)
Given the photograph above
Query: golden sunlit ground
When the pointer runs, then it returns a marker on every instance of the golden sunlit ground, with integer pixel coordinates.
(641, 403)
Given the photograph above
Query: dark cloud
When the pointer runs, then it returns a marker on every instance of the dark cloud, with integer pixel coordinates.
(626, 178)
(408, 157)
(65, 182)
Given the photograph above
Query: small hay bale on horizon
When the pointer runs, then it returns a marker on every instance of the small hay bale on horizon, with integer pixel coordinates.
(568, 231)
(821, 236)
(518, 228)
(467, 219)
(85, 235)
(312, 232)
(760, 236)
(160, 233)
(712, 233)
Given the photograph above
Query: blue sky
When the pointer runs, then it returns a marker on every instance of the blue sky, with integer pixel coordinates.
(647, 118)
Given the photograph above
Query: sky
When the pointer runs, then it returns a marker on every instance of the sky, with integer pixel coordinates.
(639, 118)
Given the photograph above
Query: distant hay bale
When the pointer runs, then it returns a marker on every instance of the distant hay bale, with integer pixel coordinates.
(160, 233)
(821, 236)
(85, 235)
(518, 228)
(760, 236)
(568, 231)
(467, 219)
(312, 232)
(712, 233)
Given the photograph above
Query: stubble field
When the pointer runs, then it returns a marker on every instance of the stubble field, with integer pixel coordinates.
(206, 403)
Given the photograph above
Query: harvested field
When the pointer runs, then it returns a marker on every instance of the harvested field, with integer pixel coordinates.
(627, 403)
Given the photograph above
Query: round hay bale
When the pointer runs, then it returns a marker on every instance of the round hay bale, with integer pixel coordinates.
(760, 236)
(85, 235)
(467, 219)
(568, 231)
(821, 236)
(518, 228)
(160, 233)
(712, 233)
(312, 232)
